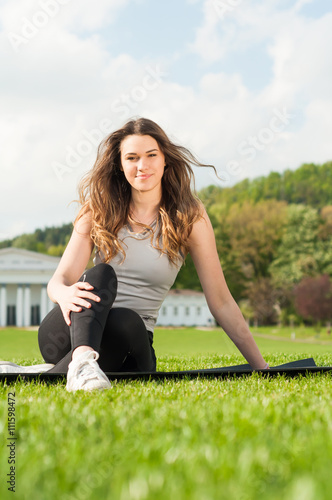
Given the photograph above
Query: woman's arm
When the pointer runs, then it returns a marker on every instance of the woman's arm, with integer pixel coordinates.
(202, 248)
(63, 287)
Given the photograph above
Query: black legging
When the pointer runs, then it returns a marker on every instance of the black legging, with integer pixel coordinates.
(118, 334)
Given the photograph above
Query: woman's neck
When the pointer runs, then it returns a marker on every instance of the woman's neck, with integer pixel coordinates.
(145, 204)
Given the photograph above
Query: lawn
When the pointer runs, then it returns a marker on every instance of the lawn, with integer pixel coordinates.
(201, 439)
(18, 344)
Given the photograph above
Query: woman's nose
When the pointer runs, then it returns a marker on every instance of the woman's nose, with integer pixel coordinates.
(141, 164)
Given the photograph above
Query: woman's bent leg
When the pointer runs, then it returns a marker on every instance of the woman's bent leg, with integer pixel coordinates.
(57, 340)
(87, 326)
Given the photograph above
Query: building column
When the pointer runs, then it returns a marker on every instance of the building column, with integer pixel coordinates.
(19, 305)
(27, 306)
(3, 306)
(43, 302)
(50, 305)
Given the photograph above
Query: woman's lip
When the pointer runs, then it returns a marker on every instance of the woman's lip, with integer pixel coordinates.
(143, 176)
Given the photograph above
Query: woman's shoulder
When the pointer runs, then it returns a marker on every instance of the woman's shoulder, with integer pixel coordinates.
(201, 226)
(201, 215)
(83, 223)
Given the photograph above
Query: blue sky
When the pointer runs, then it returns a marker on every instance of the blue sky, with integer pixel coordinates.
(174, 25)
(244, 84)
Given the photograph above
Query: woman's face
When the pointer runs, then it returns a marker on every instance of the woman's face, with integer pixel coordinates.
(142, 162)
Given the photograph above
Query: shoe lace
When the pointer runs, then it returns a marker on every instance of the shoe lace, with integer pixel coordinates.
(87, 369)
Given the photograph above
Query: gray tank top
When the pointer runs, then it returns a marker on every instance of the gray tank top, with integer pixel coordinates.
(144, 277)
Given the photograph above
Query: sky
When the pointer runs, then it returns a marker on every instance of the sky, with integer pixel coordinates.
(244, 84)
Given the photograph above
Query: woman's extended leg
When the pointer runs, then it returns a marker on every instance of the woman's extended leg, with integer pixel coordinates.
(126, 344)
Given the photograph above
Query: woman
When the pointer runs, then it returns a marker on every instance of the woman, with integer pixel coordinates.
(140, 214)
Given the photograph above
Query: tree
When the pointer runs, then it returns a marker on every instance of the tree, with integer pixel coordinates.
(29, 242)
(56, 250)
(187, 277)
(301, 252)
(309, 184)
(232, 266)
(264, 301)
(325, 229)
(313, 298)
(251, 233)
(43, 240)
(247, 310)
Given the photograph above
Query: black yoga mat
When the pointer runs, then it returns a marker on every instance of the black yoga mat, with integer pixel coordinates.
(299, 367)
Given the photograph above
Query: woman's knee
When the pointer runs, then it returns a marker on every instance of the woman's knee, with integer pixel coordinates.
(53, 320)
(125, 320)
(102, 270)
(54, 336)
(104, 280)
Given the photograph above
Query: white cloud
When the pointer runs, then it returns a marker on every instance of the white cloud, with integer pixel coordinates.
(61, 85)
(70, 14)
(302, 61)
(312, 141)
(301, 3)
(301, 81)
(225, 31)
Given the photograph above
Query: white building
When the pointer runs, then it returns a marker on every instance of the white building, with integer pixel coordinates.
(24, 276)
(23, 280)
(185, 308)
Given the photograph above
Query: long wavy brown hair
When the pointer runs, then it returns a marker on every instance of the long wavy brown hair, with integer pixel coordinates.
(106, 193)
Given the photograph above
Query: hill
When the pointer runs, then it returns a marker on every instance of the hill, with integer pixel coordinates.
(310, 184)
(50, 240)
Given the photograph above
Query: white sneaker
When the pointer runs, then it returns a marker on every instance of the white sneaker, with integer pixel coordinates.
(8, 367)
(85, 374)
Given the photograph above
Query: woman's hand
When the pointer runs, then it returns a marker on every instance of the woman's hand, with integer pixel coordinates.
(73, 298)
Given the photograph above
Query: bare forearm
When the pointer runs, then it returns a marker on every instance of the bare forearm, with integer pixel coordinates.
(230, 318)
(56, 286)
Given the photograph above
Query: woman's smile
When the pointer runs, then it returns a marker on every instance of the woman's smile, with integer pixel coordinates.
(143, 176)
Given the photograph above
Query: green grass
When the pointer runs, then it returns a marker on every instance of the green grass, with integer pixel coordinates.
(202, 439)
(18, 344)
(301, 332)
